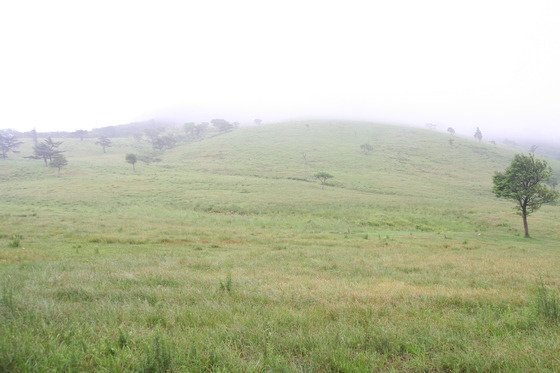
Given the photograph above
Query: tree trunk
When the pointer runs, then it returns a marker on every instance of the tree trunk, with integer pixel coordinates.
(525, 225)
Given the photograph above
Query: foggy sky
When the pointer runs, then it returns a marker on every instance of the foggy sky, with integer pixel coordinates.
(493, 64)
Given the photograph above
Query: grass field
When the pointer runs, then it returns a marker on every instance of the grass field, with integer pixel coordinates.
(227, 255)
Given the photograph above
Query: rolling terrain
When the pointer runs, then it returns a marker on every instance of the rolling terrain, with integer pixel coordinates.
(228, 255)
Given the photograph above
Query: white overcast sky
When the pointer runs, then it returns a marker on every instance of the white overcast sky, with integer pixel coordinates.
(68, 65)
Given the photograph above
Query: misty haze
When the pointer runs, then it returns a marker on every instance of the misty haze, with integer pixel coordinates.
(292, 187)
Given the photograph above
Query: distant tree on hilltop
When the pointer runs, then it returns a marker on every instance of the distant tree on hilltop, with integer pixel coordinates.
(161, 142)
(33, 133)
(478, 134)
(105, 142)
(8, 143)
(200, 128)
(533, 149)
(80, 133)
(189, 128)
(153, 132)
(366, 148)
(222, 125)
(451, 131)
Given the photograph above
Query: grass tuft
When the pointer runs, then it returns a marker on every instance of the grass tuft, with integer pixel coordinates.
(16, 240)
(226, 284)
(7, 290)
(547, 304)
(159, 357)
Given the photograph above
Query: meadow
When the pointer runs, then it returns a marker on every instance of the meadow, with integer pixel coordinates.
(227, 255)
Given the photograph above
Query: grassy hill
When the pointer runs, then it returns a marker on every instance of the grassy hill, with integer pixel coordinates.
(228, 255)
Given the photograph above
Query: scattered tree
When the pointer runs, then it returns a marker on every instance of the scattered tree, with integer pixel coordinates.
(58, 161)
(189, 128)
(8, 143)
(366, 148)
(323, 177)
(46, 150)
(451, 131)
(80, 133)
(41, 151)
(257, 122)
(533, 149)
(131, 158)
(153, 132)
(34, 136)
(222, 125)
(162, 142)
(105, 143)
(522, 182)
(200, 128)
(478, 134)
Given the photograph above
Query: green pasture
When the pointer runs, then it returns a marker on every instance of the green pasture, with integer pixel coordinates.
(225, 254)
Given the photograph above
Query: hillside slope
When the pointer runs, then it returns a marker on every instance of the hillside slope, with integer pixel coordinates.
(228, 255)
(412, 180)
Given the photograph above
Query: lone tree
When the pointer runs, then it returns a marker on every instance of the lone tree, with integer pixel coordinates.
(105, 142)
(366, 148)
(58, 161)
(131, 158)
(323, 177)
(8, 143)
(478, 134)
(451, 131)
(523, 182)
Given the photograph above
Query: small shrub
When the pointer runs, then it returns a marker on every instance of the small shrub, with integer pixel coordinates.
(226, 284)
(16, 240)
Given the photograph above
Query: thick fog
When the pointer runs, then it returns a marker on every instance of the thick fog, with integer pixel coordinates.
(490, 64)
